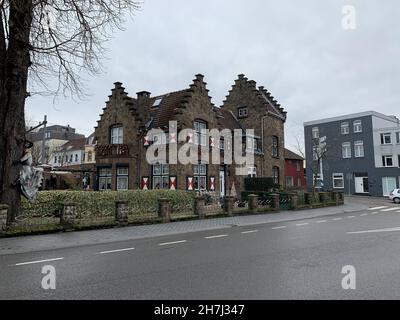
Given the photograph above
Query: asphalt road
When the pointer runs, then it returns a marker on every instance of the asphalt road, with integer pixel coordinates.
(300, 259)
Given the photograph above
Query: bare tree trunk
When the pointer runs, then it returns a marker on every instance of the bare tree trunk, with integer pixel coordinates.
(15, 63)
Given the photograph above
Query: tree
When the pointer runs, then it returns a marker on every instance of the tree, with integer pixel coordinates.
(320, 150)
(42, 41)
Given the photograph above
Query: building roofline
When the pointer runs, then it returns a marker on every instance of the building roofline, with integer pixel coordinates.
(351, 116)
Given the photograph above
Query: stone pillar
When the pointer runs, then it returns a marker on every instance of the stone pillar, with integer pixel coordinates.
(121, 212)
(336, 197)
(164, 209)
(228, 204)
(275, 201)
(68, 215)
(253, 202)
(341, 197)
(323, 198)
(307, 198)
(3, 216)
(294, 201)
(199, 203)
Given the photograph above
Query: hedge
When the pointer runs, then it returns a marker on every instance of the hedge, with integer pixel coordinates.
(92, 203)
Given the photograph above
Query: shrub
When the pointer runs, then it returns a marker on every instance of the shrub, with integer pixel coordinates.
(259, 184)
(91, 203)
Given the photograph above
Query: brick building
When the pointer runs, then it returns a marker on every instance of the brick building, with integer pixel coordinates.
(294, 170)
(123, 137)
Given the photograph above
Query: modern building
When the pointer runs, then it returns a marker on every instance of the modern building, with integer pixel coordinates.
(123, 137)
(359, 153)
(294, 170)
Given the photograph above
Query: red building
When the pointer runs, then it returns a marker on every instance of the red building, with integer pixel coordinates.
(294, 170)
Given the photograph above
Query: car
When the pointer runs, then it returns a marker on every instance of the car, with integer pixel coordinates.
(395, 195)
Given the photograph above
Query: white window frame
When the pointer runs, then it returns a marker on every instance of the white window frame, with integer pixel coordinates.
(200, 175)
(117, 135)
(335, 177)
(385, 159)
(357, 126)
(344, 128)
(122, 178)
(161, 175)
(384, 136)
(276, 178)
(275, 146)
(346, 146)
(200, 136)
(359, 149)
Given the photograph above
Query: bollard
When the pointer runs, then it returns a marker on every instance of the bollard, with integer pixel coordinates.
(199, 203)
(121, 212)
(253, 202)
(67, 217)
(164, 209)
(307, 198)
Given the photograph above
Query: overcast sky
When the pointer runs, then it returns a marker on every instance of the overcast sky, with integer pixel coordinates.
(297, 49)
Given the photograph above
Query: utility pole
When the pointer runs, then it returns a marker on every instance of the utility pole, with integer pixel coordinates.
(43, 160)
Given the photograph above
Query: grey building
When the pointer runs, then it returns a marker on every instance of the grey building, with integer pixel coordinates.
(359, 153)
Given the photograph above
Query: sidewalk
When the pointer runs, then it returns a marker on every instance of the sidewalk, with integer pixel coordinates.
(73, 239)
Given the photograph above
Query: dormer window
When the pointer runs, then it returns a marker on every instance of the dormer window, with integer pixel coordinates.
(243, 112)
(157, 102)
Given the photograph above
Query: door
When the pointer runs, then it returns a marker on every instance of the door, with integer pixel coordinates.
(361, 184)
(388, 185)
(222, 183)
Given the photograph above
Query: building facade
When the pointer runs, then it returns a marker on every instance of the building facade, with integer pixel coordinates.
(362, 154)
(124, 137)
(294, 170)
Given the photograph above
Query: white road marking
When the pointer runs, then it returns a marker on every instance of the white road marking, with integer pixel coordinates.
(321, 221)
(375, 230)
(117, 250)
(218, 236)
(377, 208)
(390, 209)
(363, 214)
(337, 219)
(38, 261)
(174, 242)
(276, 228)
(351, 217)
(301, 224)
(374, 212)
(250, 231)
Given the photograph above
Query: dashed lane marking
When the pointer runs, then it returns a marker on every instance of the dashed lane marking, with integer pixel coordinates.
(277, 228)
(38, 261)
(351, 217)
(337, 219)
(321, 221)
(302, 224)
(250, 231)
(116, 250)
(217, 236)
(174, 242)
(377, 208)
(390, 209)
(363, 214)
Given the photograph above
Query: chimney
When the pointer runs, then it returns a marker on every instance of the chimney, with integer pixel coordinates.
(143, 95)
